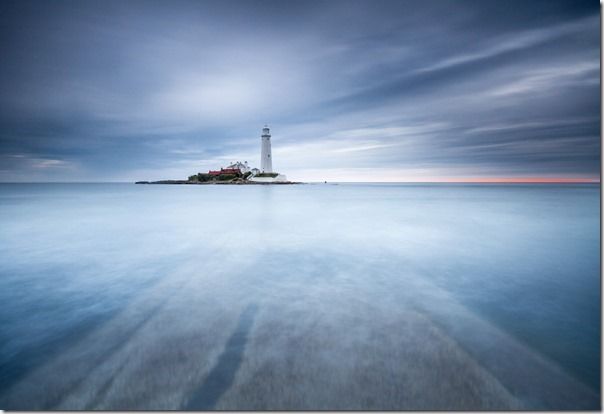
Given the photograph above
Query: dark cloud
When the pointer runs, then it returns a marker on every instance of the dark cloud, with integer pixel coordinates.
(124, 90)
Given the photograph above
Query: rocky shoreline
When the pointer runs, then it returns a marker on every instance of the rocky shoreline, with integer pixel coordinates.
(241, 182)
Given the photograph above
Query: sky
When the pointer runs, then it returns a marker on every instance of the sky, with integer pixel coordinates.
(405, 90)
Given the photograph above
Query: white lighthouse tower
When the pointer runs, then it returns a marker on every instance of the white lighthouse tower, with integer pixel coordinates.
(266, 173)
(266, 160)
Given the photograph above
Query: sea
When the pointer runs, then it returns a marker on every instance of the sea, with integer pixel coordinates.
(311, 296)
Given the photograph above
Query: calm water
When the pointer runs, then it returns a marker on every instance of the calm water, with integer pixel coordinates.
(122, 276)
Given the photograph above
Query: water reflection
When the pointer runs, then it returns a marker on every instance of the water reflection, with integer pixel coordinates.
(357, 279)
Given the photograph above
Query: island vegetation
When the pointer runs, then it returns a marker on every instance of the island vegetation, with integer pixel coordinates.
(227, 178)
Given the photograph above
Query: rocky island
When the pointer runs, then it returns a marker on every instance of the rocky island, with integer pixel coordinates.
(238, 173)
(223, 179)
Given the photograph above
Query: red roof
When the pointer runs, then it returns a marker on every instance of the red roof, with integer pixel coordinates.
(225, 171)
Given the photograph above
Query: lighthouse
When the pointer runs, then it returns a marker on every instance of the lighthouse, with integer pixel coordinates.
(266, 160)
(266, 173)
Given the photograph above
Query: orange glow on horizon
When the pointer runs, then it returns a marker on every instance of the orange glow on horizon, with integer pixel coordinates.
(483, 180)
(535, 180)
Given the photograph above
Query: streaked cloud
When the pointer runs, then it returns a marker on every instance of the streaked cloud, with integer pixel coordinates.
(358, 91)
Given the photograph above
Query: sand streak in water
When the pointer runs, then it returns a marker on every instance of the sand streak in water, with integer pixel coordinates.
(211, 335)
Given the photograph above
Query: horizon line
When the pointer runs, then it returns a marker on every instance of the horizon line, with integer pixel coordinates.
(494, 180)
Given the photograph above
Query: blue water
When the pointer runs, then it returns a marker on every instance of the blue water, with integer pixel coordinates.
(523, 259)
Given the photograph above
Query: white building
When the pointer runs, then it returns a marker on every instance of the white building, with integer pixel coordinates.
(242, 166)
(266, 174)
(266, 162)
